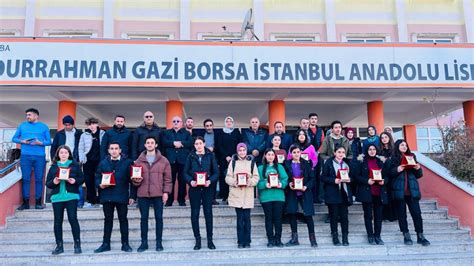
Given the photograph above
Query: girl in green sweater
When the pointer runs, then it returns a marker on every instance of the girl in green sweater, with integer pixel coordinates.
(272, 195)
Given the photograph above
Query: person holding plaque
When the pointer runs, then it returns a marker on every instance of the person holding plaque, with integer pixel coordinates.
(371, 191)
(272, 197)
(299, 171)
(337, 193)
(385, 153)
(308, 152)
(280, 154)
(201, 164)
(154, 186)
(64, 178)
(406, 191)
(115, 193)
(242, 177)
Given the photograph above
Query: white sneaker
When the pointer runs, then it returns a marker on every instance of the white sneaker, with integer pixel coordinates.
(88, 206)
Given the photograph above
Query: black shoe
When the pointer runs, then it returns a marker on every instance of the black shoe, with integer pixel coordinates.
(271, 242)
(420, 239)
(246, 245)
(379, 240)
(77, 246)
(38, 205)
(407, 239)
(224, 202)
(312, 240)
(197, 245)
(104, 247)
(327, 220)
(371, 240)
(345, 240)
(278, 242)
(143, 246)
(59, 248)
(159, 246)
(240, 246)
(168, 204)
(335, 239)
(182, 204)
(126, 247)
(210, 244)
(25, 205)
(293, 241)
(214, 202)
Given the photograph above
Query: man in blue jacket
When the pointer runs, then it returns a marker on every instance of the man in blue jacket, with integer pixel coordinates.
(120, 134)
(34, 137)
(256, 139)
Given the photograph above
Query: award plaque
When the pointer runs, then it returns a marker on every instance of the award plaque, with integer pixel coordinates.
(305, 156)
(201, 178)
(273, 180)
(281, 158)
(409, 161)
(108, 179)
(242, 179)
(136, 171)
(376, 175)
(63, 173)
(298, 183)
(343, 174)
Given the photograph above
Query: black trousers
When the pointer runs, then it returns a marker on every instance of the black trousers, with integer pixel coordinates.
(198, 196)
(339, 211)
(390, 212)
(318, 189)
(373, 211)
(273, 211)
(415, 211)
(177, 173)
(243, 226)
(144, 206)
(71, 209)
(223, 187)
(122, 211)
(89, 168)
(294, 223)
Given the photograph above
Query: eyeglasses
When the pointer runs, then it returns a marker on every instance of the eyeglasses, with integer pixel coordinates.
(148, 116)
(176, 121)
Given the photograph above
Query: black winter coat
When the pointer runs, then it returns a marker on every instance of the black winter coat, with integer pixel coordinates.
(139, 136)
(360, 171)
(76, 173)
(332, 194)
(121, 135)
(123, 190)
(208, 164)
(226, 145)
(291, 205)
(60, 139)
(255, 141)
(171, 153)
(397, 180)
(356, 148)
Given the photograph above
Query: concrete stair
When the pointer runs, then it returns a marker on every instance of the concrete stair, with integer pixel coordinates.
(28, 239)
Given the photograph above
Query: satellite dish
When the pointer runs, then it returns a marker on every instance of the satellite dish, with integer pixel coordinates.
(248, 25)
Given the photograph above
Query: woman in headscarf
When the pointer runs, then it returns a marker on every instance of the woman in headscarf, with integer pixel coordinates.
(372, 138)
(354, 142)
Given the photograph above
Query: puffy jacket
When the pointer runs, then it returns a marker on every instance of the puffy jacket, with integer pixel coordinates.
(255, 141)
(123, 190)
(242, 197)
(121, 135)
(75, 173)
(60, 139)
(177, 155)
(397, 180)
(316, 139)
(85, 144)
(332, 194)
(156, 177)
(208, 164)
(139, 136)
(308, 181)
(360, 170)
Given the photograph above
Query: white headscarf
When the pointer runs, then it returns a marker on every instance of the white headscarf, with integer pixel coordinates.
(226, 129)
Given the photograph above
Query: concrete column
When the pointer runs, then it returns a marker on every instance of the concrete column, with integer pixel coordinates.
(409, 132)
(173, 108)
(65, 108)
(276, 112)
(375, 115)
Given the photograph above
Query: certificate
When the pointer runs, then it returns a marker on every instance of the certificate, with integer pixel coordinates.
(298, 183)
(200, 178)
(281, 158)
(242, 179)
(63, 173)
(273, 180)
(343, 174)
(108, 179)
(136, 171)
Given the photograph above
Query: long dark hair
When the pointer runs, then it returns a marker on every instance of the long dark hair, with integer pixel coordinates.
(294, 147)
(396, 154)
(56, 155)
(297, 141)
(265, 163)
(390, 141)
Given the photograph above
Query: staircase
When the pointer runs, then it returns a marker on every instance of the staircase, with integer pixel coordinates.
(28, 239)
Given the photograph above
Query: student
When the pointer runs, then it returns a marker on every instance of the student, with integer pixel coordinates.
(242, 197)
(372, 138)
(406, 191)
(333, 139)
(116, 196)
(154, 187)
(302, 142)
(272, 198)
(276, 147)
(385, 153)
(296, 167)
(337, 195)
(315, 133)
(354, 142)
(65, 195)
(372, 194)
(201, 160)
(386, 145)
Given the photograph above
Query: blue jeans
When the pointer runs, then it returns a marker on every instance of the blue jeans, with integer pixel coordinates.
(36, 163)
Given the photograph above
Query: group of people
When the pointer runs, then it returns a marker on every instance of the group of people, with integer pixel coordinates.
(290, 173)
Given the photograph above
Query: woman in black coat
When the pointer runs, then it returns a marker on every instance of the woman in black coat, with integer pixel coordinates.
(201, 160)
(337, 195)
(406, 191)
(298, 167)
(385, 153)
(372, 194)
(65, 195)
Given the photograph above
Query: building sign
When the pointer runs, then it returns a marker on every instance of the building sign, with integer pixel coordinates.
(65, 62)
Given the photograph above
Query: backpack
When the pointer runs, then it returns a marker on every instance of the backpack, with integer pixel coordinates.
(252, 165)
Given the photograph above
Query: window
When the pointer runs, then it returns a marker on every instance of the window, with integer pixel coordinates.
(9, 33)
(365, 38)
(282, 37)
(147, 36)
(435, 38)
(70, 34)
(429, 139)
(230, 36)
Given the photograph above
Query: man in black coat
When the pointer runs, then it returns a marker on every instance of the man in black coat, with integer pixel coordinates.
(120, 134)
(177, 143)
(68, 136)
(286, 139)
(115, 196)
(148, 128)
